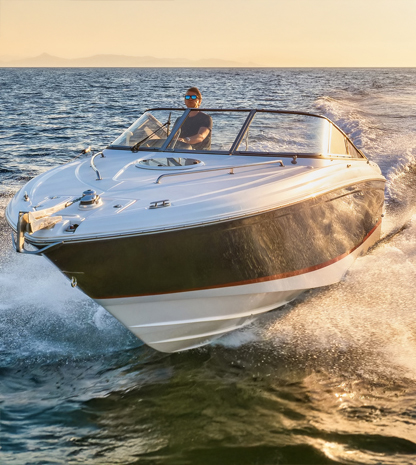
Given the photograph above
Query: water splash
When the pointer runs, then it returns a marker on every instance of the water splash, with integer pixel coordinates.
(365, 325)
(377, 122)
(42, 316)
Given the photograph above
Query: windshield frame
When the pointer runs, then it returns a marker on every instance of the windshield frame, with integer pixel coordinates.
(246, 125)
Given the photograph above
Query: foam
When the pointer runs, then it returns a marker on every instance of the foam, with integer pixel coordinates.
(370, 312)
(41, 314)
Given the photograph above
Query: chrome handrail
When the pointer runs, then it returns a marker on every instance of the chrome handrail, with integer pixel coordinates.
(231, 168)
(99, 178)
(19, 249)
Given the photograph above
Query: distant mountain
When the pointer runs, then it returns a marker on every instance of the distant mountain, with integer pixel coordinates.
(119, 61)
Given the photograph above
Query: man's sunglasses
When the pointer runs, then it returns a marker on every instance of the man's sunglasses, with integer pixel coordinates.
(189, 97)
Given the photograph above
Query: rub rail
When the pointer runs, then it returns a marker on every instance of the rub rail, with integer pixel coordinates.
(231, 168)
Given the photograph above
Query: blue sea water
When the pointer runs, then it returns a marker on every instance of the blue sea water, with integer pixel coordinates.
(329, 379)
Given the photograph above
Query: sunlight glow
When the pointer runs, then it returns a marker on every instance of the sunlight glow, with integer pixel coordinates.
(287, 33)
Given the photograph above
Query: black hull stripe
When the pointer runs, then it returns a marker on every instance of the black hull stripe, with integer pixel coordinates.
(257, 280)
(274, 245)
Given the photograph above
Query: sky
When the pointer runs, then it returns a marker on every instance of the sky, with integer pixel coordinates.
(279, 33)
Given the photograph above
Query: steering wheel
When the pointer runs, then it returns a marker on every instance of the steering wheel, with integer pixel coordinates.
(181, 145)
(175, 139)
(184, 146)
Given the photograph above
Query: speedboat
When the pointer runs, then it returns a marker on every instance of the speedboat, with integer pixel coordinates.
(184, 245)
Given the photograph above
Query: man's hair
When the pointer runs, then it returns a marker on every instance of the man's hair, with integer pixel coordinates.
(196, 91)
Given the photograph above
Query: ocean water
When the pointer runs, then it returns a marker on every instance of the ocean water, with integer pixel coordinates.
(328, 379)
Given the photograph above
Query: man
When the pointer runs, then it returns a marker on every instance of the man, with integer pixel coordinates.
(196, 130)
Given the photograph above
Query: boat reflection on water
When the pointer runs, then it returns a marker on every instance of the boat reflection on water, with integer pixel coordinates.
(183, 246)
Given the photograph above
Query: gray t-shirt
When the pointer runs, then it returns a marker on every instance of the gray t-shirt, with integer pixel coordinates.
(193, 124)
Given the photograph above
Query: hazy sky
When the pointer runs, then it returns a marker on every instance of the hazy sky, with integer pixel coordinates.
(266, 32)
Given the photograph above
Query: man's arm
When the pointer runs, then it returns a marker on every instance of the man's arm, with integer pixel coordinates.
(199, 137)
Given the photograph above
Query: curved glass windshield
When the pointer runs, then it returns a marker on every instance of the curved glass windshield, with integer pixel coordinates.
(285, 133)
(236, 132)
(213, 131)
(150, 130)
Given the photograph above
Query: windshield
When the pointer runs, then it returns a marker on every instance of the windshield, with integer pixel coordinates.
(236, 132)
(285, 133)
(154, 126)
(213, 131)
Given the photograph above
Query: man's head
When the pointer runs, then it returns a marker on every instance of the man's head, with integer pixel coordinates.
(193, 97)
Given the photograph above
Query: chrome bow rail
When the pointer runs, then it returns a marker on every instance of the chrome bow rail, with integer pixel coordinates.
(22, 226)
(231, 168)
(21, 249)
(30, 222)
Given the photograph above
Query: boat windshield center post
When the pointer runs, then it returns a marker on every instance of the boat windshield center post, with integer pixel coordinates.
(242, 132)
(176, 127)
